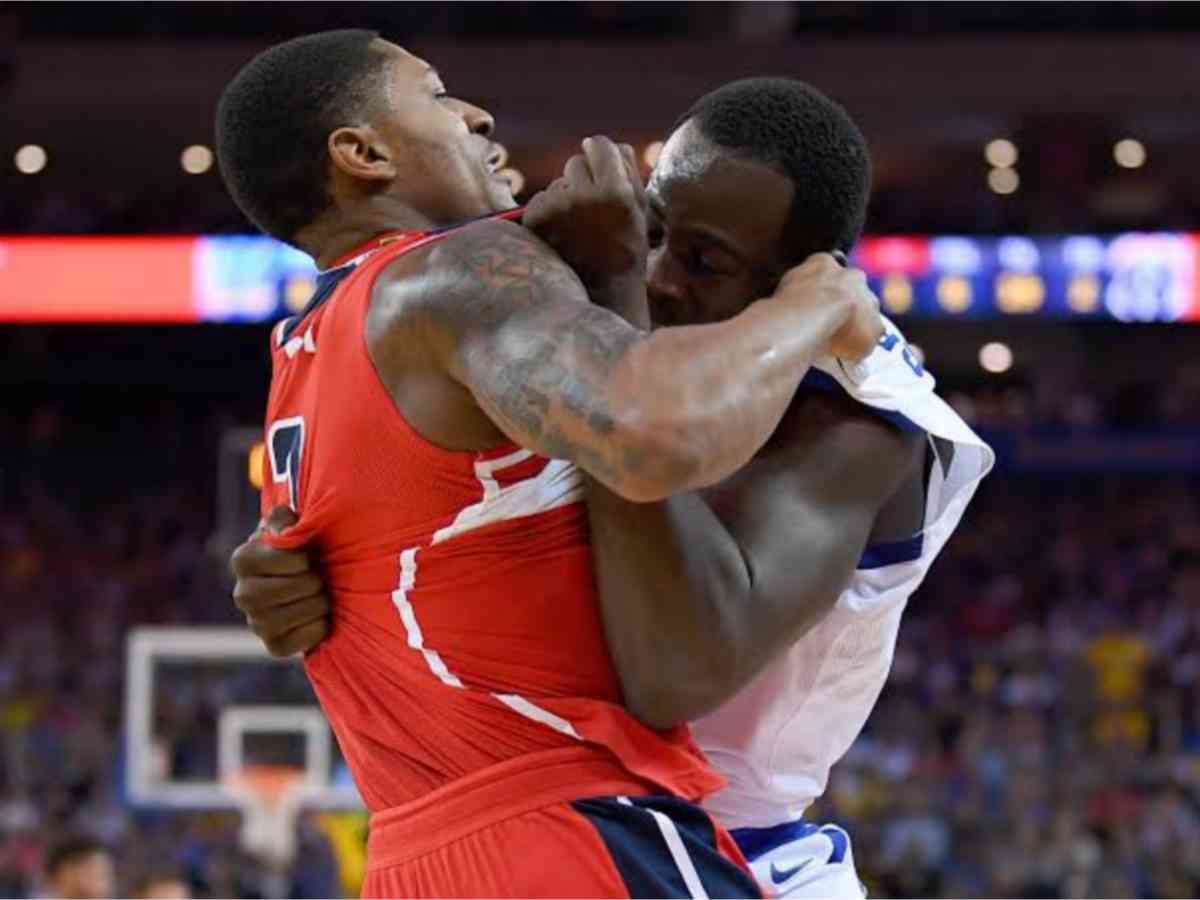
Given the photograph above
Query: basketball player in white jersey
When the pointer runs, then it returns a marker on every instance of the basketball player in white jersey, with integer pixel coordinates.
(765, 610)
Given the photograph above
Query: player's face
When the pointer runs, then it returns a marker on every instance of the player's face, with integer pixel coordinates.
(446, 161)
(716, 225)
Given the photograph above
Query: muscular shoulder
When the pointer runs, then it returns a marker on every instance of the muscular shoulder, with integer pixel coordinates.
(444, 318)
(838, 420)
(830, 452)
(477, 275)
(867, 463)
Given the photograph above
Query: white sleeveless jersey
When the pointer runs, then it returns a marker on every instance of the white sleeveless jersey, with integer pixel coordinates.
(777, 740)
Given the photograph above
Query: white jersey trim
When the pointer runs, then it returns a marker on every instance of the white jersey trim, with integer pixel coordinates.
(416, 640)
(679, 855)
(558, 484)
(531, 711)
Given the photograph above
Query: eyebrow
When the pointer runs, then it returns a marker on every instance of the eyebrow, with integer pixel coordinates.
(708, 234)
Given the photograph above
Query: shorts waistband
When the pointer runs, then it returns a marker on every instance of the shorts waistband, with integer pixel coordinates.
(503, 791)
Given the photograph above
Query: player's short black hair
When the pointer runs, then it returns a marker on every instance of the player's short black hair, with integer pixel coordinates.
(274, 118)
(69, 849)
(790, 125)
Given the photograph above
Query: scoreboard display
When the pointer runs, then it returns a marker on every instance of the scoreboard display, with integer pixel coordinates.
(1127, 277)
(1132, 277)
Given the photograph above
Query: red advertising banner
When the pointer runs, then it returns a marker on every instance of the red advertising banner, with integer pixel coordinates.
(97, 279)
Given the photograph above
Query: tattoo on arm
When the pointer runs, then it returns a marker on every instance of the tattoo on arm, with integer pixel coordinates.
(537, 355)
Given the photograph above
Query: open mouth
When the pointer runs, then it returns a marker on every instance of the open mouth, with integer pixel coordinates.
(496, 163)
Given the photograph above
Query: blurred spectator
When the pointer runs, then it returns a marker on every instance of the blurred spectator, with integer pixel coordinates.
(1039, 735)
(161, 885)
(78, 868)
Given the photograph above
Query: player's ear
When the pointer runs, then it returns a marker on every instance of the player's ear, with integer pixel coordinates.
(361, 153)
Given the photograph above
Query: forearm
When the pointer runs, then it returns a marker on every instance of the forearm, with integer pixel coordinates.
(667, 572)
(648, 414)
(711, 395)
(720, 389)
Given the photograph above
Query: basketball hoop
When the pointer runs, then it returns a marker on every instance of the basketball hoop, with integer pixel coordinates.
(270, 798)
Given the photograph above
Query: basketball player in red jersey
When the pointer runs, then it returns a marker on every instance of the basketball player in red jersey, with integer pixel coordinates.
(431, 414)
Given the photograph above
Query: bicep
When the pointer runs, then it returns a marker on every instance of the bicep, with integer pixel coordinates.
(803, 514)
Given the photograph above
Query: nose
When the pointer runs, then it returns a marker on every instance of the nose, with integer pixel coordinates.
(663, 283)
(479, 121)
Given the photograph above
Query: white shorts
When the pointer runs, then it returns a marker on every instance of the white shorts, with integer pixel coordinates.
(799, 859)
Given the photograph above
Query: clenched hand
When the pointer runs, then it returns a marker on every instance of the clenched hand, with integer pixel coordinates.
(594, 214)
(279, 591)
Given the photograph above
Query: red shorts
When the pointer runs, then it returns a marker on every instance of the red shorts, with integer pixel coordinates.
(557, 824)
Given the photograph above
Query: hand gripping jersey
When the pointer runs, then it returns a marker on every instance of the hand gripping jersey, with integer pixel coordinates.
(776, 740)
(466, 632)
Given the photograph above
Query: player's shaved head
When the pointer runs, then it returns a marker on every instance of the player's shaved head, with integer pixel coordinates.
(274, 118)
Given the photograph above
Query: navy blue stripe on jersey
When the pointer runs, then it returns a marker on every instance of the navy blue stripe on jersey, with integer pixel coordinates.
(876, 556)
(822, 382)
(641, 855)
(840, 840)
(327, 282)
(754, 842)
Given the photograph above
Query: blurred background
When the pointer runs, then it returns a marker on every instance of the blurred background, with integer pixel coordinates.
(1035, 230)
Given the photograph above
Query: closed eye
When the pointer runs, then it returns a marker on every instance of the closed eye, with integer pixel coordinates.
(705, 261)
(699, 263)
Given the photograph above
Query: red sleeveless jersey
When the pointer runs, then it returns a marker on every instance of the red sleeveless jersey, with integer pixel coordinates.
(466, 630)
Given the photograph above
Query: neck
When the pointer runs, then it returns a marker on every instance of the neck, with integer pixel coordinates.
(336, 235)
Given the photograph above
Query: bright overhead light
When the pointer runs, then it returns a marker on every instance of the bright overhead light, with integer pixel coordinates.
(30, 159)
(995, 357)
(196, 159)
(1129, 154)
(1001, 153)
(1003, 181)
